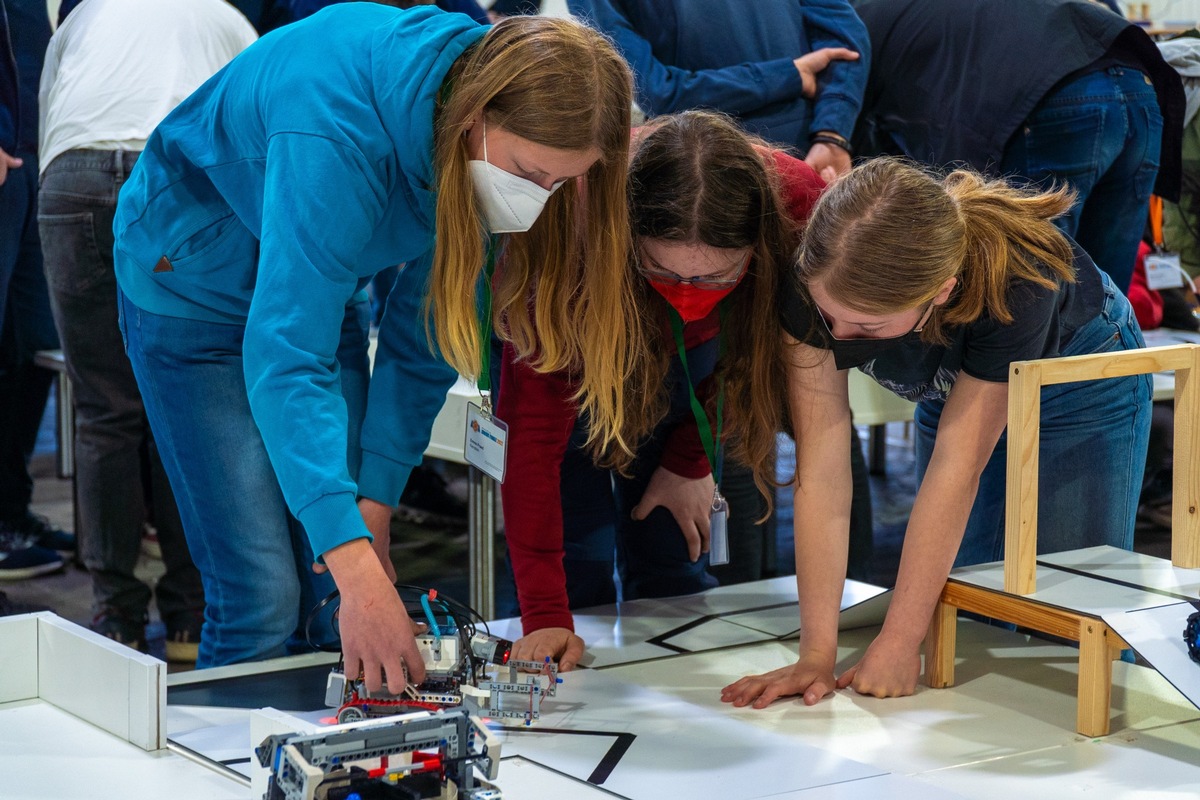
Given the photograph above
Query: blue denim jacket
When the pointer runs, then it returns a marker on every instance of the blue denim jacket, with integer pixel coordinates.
(737, 57)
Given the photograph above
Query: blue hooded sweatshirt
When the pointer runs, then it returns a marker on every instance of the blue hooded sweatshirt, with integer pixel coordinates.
(269, 198)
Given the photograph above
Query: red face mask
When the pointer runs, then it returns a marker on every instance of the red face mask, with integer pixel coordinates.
(691, 302)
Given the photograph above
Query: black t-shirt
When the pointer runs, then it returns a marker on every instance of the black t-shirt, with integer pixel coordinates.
(1044, 320)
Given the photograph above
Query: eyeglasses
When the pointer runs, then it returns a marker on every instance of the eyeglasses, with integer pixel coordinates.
(701, 282)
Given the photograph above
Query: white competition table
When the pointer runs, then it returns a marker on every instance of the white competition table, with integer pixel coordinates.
(657, 667)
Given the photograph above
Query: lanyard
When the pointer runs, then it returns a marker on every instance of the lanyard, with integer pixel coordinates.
(1156, 221)
(484, 381)
(712, 446)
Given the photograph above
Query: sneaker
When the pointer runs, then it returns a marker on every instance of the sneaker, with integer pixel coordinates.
(26, 560)
(38, 529)
(121, 628)
(183, 637)
(426, 501)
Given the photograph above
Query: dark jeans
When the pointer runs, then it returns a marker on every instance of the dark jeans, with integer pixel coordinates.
(1101, 134)
(1092, 452)
(115, 452)
(650, 555)
(26, 326)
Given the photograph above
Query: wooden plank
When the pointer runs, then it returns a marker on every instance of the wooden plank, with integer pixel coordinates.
(1095, 679)
(1117, 364)
(940, 644)
(1021, 611)
(1098, 645)
(1185, 498)
(1021, 503)
(1024, 422)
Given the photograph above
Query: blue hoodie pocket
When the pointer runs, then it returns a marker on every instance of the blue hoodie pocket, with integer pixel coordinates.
(207, 240)
(208, 273)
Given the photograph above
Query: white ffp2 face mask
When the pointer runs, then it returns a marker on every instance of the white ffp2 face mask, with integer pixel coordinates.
(511, 204)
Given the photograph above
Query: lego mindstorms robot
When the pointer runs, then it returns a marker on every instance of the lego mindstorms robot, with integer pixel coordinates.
(464, 666)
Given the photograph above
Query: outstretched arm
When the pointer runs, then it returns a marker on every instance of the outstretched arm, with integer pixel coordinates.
(971, 424)
(540, 417)
(820, 408)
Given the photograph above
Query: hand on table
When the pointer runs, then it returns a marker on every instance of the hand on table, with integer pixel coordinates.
(812, 678)
(888, 669)
(688, 499)
(560, 644)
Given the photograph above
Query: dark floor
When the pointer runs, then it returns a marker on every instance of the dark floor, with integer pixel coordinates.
(436, 557)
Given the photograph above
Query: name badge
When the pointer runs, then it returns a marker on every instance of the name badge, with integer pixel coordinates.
(718, 532)
(1163, 271)
(486, 445)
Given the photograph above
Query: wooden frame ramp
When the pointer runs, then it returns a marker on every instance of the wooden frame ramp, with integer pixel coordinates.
(1098, 644)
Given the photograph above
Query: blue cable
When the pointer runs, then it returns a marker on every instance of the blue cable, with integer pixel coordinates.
(433, 626)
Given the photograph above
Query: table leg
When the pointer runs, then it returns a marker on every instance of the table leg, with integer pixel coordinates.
(940, 644)
(1095, 679)
(481, 531)
(66, 426)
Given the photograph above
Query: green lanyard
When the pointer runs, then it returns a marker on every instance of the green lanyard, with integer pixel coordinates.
(484, 381)
(712, 446)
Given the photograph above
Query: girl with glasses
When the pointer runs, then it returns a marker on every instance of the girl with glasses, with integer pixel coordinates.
(715, 216)
(933, 286)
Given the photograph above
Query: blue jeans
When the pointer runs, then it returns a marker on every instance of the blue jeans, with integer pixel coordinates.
(1101, 133)
(253, 555)
(1093, 451)
(116, 458)
(26, 326)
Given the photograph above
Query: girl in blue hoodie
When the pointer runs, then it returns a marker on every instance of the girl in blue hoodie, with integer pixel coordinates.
(360, 138)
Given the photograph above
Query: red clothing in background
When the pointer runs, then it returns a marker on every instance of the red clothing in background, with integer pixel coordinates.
(1147, 303)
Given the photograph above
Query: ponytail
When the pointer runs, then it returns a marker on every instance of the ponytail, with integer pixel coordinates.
(886, 237)
(1009, 236)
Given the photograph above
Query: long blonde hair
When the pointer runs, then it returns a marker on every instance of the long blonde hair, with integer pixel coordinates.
(562, 294)
(887, 236)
